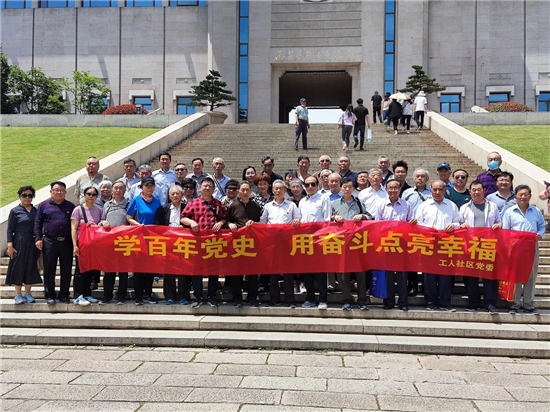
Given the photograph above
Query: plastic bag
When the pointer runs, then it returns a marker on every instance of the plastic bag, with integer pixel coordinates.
(369, 135)
(378, 284)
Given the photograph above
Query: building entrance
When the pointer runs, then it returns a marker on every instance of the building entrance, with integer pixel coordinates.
(322, 89)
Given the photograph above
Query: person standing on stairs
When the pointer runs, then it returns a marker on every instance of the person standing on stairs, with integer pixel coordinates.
(362, 115)
(302, 124)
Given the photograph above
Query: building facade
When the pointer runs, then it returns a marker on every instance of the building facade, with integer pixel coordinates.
(271, 53)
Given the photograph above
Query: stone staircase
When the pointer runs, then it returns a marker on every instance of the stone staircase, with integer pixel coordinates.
(416, 331)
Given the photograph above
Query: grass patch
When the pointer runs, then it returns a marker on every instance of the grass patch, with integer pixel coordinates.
(39, 155)
(529, 142)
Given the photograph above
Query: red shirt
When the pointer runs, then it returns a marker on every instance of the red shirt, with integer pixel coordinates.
(198, 210)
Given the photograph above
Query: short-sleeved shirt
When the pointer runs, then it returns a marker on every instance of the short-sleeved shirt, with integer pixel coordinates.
(145, 210)
(240, 213)
(84, 181)
(115, 213)
(302, 112)
(92, 215)
(198, 210)
(421, 103)
(459, 199)
(376, 100)
(360, 112)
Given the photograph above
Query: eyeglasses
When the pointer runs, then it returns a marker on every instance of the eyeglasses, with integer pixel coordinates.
(180, 170)
(188, 187)
(310, 184)
(27, 196)
(461, 177)
(90, 194)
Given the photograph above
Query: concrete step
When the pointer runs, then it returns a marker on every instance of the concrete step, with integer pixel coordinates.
(416, 313)
(457, 301)
(287, 340)
(404, 327)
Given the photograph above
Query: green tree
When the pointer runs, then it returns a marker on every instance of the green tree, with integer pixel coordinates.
(420, 81)
(37, 91)
(89, 92)
(7, 99)
(211, 92)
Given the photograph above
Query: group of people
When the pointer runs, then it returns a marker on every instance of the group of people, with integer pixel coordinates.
(201, 201)
(356, 121)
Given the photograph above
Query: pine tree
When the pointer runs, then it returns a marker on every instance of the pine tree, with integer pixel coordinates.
(211, 92)
(420, 81)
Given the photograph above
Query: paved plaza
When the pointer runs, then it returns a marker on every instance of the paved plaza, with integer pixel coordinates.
(46, 378)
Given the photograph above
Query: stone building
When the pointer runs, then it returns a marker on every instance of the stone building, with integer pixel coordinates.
(271, 53)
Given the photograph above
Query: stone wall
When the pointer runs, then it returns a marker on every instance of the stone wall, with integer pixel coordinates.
(508, 119)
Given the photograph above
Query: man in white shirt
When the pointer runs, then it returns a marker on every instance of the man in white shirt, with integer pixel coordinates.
(440, 214)
(220, 180)
(420, 107)
(315, 208)
(480, 212)
(281, 211)
(165, 175)
(373, 194)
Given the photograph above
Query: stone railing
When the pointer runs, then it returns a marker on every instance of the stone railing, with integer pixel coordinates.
(157, 121)
(142, 152)
(477, 148)
(499, 119)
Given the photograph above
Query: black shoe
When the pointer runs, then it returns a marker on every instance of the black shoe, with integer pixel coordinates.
(413, 292)
(404, 308)
(355, 145)
(431, 308)
(93, 285)
(388, 307)
(492, 310)
(105, 302)
(292, 305)
(50, 301)
(471, 309)
(531, 311)
(238, 304)
(271, 303)
(255, 304)
(65, 300)
(361, 149)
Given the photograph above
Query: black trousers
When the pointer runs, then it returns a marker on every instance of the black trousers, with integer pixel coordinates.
(181, 292)
(437, 290)
(109, 286)
(309, 280)
(82, 281)
(52, 250)
(490, 293)
(275, 291)
(359, 130)
(377, 112)
(301, 129)
(401, 279)
(412, 281)
(407, 121)
(237, 288)
(143, 285)
(395, 121)
(419, 118)
(198, 289)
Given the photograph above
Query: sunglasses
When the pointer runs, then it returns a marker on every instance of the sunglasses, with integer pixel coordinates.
(310, 184)
(180, 170)
(188, 187)
(90, 194)
(461, 177)
(27, 196)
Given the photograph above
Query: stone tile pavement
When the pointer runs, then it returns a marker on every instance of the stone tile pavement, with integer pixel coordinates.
(113, 379)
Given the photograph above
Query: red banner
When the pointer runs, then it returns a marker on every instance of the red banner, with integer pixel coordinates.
(308, 248)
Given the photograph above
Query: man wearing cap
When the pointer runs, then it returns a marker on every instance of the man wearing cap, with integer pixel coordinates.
(302, 124)
(444, 174)
(420, 107)
(489, 177)
(376, 106)
(362, 115)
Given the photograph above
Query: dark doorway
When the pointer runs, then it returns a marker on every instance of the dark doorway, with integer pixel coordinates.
(321, 89)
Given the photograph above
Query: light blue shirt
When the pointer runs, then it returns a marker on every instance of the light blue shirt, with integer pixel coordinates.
(532, 221)
(165, 178)
(502, 203)
(412, 196)
(219, 194)
(280, 213)
(399, 211)
(302, 112)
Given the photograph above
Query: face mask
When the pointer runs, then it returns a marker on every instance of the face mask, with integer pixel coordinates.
(493, 165)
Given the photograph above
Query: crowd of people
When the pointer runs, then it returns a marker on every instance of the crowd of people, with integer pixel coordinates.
(201, 201)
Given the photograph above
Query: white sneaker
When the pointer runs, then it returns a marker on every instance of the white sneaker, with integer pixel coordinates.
(81, 301)
(303, 289)
(322, 306)
(91, 299)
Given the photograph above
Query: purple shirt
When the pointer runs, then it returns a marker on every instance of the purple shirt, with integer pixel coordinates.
(489, 182)
(53, 220)
(92, 215)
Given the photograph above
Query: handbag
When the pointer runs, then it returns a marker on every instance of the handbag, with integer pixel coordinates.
(378, 285)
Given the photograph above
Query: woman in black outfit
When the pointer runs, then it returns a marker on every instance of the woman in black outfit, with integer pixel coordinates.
(23, 266)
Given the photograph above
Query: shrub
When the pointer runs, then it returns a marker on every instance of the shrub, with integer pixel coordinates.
(124, 109)
(508, 107)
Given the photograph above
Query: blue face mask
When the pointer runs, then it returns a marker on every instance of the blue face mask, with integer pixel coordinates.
(493, 165)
